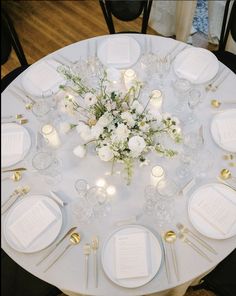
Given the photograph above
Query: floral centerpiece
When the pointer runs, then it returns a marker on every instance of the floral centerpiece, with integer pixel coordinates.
(121, 128)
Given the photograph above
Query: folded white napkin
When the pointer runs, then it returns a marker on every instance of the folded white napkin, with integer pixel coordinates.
(226, 128)
(118, 50)
(12, 143)
(216, 209)
(131, 255)
(43, 76)
(193, 66)
(32, 223)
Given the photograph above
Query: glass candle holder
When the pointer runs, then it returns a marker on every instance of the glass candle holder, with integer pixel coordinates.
(51, 135)
(156, 99)
(129, 78)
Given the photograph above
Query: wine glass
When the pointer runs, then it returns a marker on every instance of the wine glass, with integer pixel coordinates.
(81, 187)
(181, 87)
(194, 98)
(163, 62)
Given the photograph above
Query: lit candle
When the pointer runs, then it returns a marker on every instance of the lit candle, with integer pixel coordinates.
(51, 135)
(129, 78)
(156, 98)
(157, 174)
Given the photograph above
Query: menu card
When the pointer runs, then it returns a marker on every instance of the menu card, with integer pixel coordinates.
(217, 210)
(226, 129)
(118, 50)
(131, 255)
(32, 223)
(12, 143)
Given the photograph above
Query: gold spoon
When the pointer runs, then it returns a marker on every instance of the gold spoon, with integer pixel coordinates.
(16, 176)
(74, 240)
(217, 104)
(226, 174)
(170, 237)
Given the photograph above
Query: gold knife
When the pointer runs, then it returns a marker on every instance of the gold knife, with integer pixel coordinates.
(70, 231)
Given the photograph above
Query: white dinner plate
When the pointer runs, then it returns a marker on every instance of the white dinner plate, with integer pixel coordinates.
(199, 223)
(42, 78)
(119, 52)
(44, 239)
(197, 65)
(8, 159)
(217, 127)
(155, 256)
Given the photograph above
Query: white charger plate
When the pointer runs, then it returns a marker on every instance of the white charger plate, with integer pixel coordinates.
(134, 48)
(228, 146)
(34, 88)
(199, 222)
(197, 53)
(13, 159)
(155, 256)
(44, 239)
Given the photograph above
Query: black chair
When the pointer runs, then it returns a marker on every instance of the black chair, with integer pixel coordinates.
(221, 280)
(15, 281)
(126, 11)
(226, 57)
(10, 39)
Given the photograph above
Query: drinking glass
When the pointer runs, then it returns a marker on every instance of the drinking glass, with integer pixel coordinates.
(81, 187)
(187, 161)
(82, 211)
(181, 87)
(41, 109)
(163, 63)
(204, 163)
(167, 188)
(48, 166)
(194, 98)
(98, 199)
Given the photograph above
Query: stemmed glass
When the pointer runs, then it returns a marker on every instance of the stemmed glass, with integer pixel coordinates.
(163, 62)
(81, 187)
(181, 87)
(98, 200)
(150, 200)
(194, 98)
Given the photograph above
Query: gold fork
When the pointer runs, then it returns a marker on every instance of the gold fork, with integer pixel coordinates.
(94, 246)
(87, 251)
(13, 197)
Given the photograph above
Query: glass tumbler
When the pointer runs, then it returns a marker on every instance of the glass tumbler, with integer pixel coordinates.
(81, 187)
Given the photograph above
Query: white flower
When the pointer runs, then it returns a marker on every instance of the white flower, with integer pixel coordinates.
(79, 151)
(136, 145)
(96, 131)
(105, 153)
(90, 99)
(121, 133)
(64, 127)
(84, 131)
(105, 119)
(143, 126)
(127, 117)
(137, 106)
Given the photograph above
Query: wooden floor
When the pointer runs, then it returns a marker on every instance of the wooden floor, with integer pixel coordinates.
(45, 26)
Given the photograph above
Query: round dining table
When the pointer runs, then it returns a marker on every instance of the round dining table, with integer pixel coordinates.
(126, 201)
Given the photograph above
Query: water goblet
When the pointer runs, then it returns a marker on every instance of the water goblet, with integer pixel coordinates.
(194, 98)
(48, 166)
(187, 160)
(181, 87)
(163, 63)
(98, 199)
(167, 188)
(82, 211)
(41, 109)
(81, 187)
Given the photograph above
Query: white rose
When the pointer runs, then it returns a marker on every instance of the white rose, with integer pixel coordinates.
(84, 131)
(79, 151)
(105, 120)
(64, 127)
(82, 127)
(121, 133)
(90, 99)
(96, 131)
(127, 117)
(137, 106)
(105, 153)
(136, 145)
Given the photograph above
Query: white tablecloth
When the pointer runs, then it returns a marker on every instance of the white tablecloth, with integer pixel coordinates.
(68, 273)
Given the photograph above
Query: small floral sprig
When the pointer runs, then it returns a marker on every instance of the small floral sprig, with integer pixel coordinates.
(121, 128)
